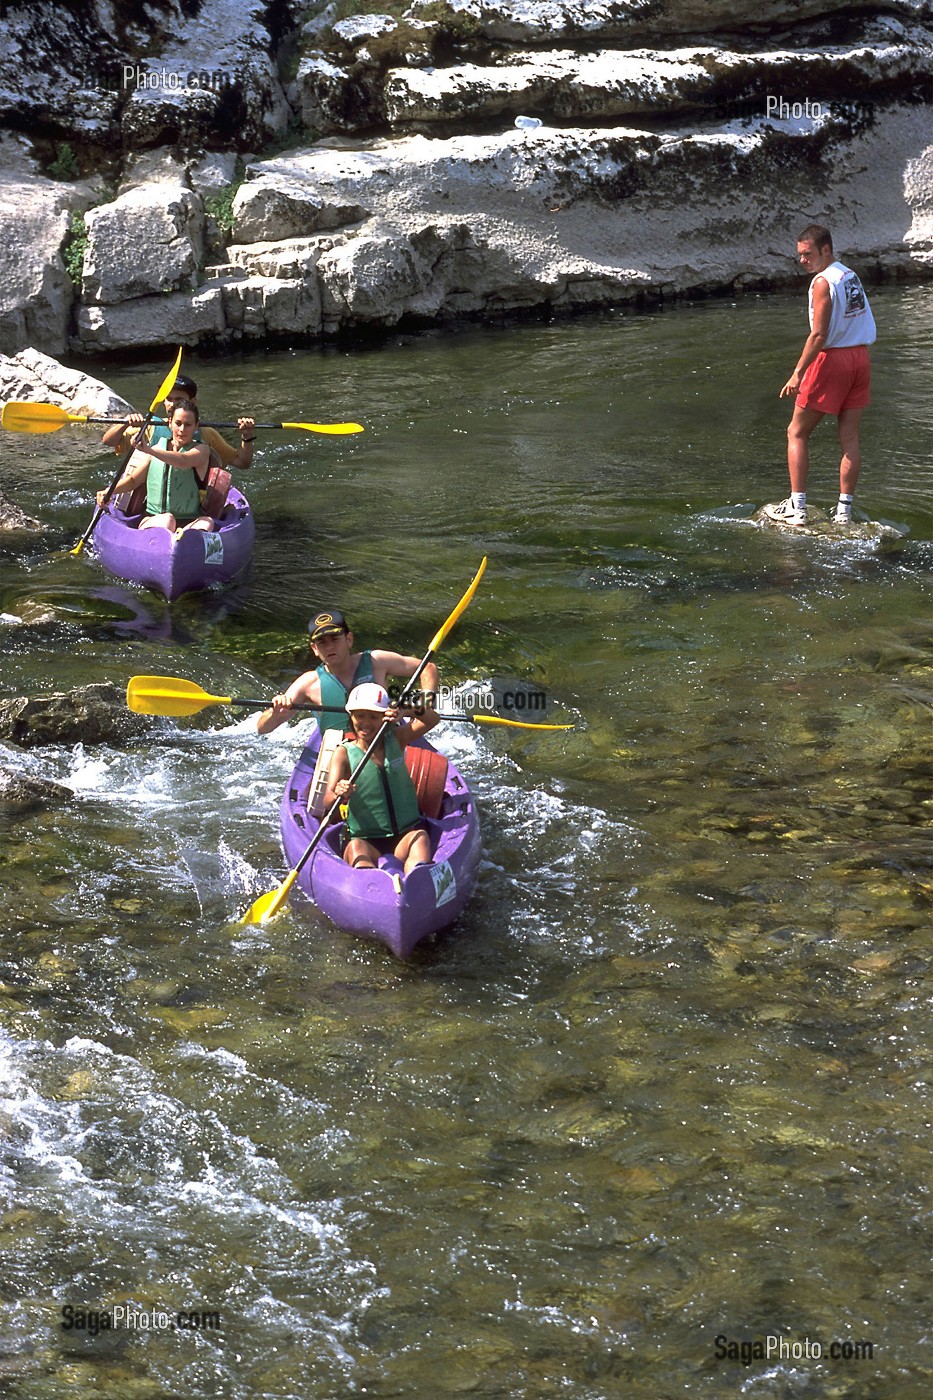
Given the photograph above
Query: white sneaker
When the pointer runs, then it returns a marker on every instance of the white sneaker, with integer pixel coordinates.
(787, 513)
(842, 517)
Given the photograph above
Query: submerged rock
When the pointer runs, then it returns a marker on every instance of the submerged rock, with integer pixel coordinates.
(20, 792)
(89, 714)
(12, 518)
(822, 525)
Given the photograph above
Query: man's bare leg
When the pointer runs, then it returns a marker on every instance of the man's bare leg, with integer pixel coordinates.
(798, 446)
(849, 422)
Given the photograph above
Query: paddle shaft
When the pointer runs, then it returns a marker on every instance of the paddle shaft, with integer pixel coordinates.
(203, 423)
(264, 704)
(167, 695)
(53, 418)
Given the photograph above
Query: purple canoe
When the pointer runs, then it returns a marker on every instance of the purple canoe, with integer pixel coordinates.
(397, 910)
(197, 559)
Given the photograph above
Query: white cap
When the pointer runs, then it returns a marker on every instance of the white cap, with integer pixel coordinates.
(367, 696)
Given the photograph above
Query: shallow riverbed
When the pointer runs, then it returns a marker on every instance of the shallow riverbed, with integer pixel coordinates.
(663, 1081)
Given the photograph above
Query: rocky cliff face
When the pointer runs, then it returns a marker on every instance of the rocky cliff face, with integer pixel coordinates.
(460, 157)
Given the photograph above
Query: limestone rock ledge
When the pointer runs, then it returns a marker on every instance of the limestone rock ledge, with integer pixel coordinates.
(328, 239)
(659, 167)
(35, 289)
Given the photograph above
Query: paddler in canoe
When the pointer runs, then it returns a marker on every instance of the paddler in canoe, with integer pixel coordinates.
(172, 475)
(382, 805)
(185, 391)
(339, 670)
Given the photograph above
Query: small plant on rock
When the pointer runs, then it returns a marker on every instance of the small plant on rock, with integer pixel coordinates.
(219, 207)
(65, 165)
(74, 248)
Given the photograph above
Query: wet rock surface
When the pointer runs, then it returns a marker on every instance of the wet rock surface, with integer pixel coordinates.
(91, 714)
(820, 523)
(20, 792)
(12, 518)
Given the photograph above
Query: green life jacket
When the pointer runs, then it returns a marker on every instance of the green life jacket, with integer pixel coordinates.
(385, 802)
(334, 693)
(172, 489)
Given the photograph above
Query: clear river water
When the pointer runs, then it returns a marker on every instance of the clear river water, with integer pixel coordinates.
(658, 1096)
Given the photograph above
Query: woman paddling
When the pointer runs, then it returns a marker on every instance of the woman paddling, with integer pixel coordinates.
(172, 475)
(382, 805)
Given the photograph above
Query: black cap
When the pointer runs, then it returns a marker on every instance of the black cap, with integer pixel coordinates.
(327, 624)
(186, 385)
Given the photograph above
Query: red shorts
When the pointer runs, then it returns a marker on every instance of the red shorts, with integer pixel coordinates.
(837, 379)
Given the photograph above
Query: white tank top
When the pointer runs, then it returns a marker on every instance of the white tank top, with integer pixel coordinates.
(850, 318)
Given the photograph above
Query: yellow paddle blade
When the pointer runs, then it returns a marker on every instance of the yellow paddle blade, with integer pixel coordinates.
(516, 723)
(168, 382)
(22, 417)
(461, 607)
(268, 905)
(326, 427)
(166, 695)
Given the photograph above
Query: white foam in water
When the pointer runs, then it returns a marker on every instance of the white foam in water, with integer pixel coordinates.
(137, 1138)
(239, 777)
(136, 779)
(219, 1055)
(238, 873)
(246, 726)
(132, 1161)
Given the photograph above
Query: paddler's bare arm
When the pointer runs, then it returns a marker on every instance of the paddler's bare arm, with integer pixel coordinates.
(392, 663)
(233, 458)
(306, 690)
(338, 782)
(197, 457)
(822, 307)
(243, 457)
(115, 436)
(135, 473)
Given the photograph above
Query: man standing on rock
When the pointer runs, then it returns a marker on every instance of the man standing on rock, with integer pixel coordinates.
(833, 374)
